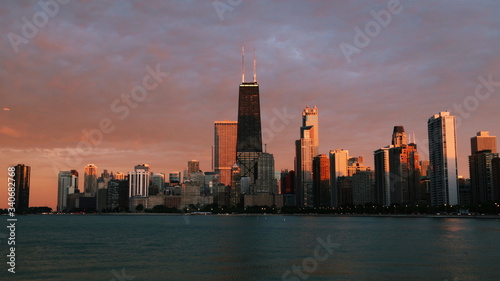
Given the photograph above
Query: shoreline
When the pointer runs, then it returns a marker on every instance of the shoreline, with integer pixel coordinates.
(311, 215)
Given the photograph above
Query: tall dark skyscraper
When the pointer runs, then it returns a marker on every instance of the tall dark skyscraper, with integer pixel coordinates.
(22, 180)
(249, 136)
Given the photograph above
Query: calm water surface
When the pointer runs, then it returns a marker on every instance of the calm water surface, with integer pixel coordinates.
(126, 247)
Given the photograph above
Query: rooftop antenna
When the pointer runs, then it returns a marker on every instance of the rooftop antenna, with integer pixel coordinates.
(254, 67)
(265, 147)
(243, 63)
(414, 139)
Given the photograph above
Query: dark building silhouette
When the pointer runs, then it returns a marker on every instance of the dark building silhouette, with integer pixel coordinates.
(495, 166)
(287, 181)
(22, 184)
(249, 132)
(321, 181)
(481, 176)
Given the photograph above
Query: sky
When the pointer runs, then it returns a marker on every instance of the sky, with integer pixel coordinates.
(118, 83)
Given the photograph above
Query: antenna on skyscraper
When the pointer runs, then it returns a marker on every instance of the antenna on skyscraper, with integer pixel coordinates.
(243, 63)
(414, 139)
(254, 67)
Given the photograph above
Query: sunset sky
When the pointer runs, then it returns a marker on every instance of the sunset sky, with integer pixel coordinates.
(72, 72)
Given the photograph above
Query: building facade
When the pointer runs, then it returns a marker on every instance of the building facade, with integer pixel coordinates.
(443, 159)
(90, 180)
(67, 184)
(22, 178)
(338, 168)
(139, 181)
(225, 135)
(321, 181)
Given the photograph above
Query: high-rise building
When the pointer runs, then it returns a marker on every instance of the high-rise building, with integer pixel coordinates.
(139, 181)
(174, 178)
(266, 183)
(158, 182)
(382, 176)
(119, 176)
(287, 182)
(338, 168)
(321, 181)
(249, 132)
(483, 151)
(443, 159)
(225, 135)
(363, 187)
(398, 136)
(310, 118)
(90, 180)
(22, 183)
(355, 164)
(495, 167)
(404, 168)
(67, 184)
(483, 141)
(193, 167)
(424, 168)
(481, 176)
(304, 153)
(236, 188)
(405, 174)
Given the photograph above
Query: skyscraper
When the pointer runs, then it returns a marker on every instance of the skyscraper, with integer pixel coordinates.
(338, 168)
(139, 181)
(22, 184)
(443, 159)
(382, 176)
(67, 184)
(495, 166)
(193, 167)
(363, 190)
(266, 183)
(249, 133)
(321, 181)
(483, 141)
(225, 134)
(483, 152)
(310, 118)
(304, 153)
(90, 180)
(404, 168)
(398, 136)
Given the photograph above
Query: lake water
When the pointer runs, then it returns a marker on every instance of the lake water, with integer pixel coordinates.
(166, 247)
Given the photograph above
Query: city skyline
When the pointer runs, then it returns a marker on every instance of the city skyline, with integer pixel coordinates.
(64, 81)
